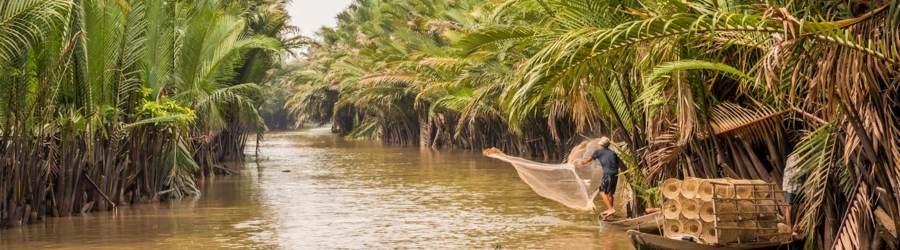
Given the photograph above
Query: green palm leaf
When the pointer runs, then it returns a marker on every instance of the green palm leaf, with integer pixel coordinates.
(25, 23)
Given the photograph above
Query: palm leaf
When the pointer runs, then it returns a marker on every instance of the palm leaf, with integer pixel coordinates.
(171, 119)
(750, 123)
(492, 37)
(818, 161)
(24, 23)
(667, 68)
(857, 218)
(392, 78)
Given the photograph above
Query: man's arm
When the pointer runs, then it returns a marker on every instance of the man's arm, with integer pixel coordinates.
(582, 162)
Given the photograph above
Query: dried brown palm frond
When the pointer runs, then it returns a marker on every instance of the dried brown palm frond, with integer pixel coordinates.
(665, 155)
(856, 222)
(852, 86)
(749, 124)
(390, 78)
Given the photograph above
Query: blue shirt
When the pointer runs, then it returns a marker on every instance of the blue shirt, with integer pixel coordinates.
(608, 160)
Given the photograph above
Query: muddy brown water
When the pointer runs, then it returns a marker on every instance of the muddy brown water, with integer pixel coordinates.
(338, 194)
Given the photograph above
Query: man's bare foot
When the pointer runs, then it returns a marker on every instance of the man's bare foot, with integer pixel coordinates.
(608, 213)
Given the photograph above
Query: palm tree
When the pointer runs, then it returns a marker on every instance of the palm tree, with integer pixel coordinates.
(706, 89)
(714, 104)
(211, 48)
(107, 99)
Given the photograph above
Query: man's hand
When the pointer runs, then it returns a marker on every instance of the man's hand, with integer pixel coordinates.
(581, 162)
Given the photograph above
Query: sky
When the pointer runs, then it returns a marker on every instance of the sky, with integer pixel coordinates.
(310, 15)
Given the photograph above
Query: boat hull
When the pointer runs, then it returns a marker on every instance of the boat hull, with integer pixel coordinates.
(644, 241)
(650, 223)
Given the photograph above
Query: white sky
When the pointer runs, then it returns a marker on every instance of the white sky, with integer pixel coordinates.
(310, 15)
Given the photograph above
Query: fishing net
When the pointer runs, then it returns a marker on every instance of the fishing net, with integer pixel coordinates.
(572, 186)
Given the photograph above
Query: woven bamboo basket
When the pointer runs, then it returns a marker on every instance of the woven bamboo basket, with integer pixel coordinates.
(727, 233)
(693, 228)
(690, 209)
(749, 231)
(709, 235)
(768, 227)
(671, 188)
(673, 228)
(766, 209)
(726, 211)
(707, 213)
(689, 187)
(748, 209)
(757, 182)
(720, 211)
(721, 191)
(742, 190)
(671, 209)
(784, 233)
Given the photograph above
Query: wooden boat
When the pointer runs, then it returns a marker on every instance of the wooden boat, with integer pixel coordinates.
(643, 241)
(650, 223)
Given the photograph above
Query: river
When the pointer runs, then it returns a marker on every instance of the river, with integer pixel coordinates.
(314, 190)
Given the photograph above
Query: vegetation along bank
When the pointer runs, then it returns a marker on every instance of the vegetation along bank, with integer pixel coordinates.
(707, 89)
(111, 102)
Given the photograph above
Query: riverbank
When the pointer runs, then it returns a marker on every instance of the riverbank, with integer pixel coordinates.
(94, 113)
(338, 194)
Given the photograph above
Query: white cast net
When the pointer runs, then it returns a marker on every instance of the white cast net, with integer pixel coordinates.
(574, 187)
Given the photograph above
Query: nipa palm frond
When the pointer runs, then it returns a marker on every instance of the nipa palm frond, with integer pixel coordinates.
(817, 161)
(492, 37)
(389, 78)
(23, 24)
(750, 124)
(856, 218)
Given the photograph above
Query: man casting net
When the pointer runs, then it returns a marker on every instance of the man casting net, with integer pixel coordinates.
(571, 185)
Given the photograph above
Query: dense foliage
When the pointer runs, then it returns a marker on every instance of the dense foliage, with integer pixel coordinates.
(690, 88)
(110, 102)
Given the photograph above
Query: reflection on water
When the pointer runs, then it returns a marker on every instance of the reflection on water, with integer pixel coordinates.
(313, 190)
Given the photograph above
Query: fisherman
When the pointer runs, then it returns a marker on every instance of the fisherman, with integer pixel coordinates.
(792, 184)
(609, 160)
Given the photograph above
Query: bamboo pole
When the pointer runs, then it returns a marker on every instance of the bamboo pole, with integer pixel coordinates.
(99, 191)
